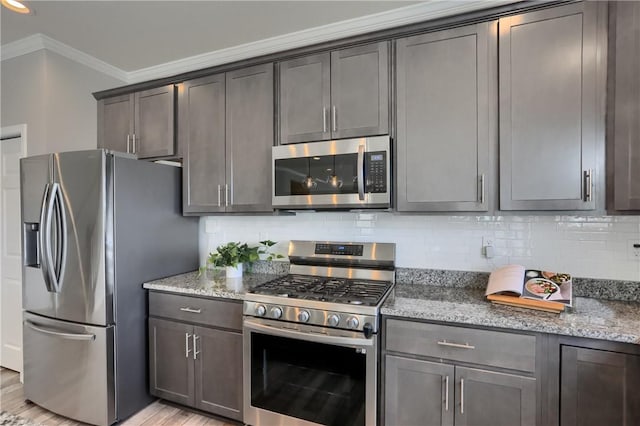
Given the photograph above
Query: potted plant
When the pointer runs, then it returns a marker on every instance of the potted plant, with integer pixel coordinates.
(234, 255)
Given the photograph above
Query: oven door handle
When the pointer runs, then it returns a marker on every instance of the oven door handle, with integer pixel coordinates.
(310, 337)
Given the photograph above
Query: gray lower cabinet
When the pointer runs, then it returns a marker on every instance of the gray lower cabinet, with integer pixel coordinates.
(624, 106)
(226, 129)
(445, 82)
(191, 363)
(447, 375)
(599, 387)
(551, 123)
(171, 369)
(339, 94)
(140, 123)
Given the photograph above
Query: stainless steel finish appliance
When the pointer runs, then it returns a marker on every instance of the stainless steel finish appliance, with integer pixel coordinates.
(342, 174)
(311, 337)
(96, 225)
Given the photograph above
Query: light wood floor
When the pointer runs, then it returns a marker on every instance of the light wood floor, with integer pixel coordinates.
(158, 413)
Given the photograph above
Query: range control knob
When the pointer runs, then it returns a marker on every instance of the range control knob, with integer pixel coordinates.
(303, 316)
(333, 320)
(352, 322)
(260, 310)
(276, 312)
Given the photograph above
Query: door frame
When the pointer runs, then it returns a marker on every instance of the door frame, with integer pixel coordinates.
(7, 132)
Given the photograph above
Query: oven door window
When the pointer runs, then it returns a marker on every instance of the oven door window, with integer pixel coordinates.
(317, 382)
(328, 174)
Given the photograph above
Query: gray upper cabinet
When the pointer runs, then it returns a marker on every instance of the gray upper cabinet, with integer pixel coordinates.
(599, 387)
(360, 91)
(115, 124)
(335, 95)
(249, 127)
(305, 99)
(201, 124)
(140, 123)
(154, 118)
(549, 112)
(445, 82)
(624, 104)
(226, 129)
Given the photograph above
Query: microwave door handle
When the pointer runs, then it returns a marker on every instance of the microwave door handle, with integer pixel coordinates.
(44, 232)
(361, 172)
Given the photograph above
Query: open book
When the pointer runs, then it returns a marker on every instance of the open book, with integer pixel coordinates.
(541, 286)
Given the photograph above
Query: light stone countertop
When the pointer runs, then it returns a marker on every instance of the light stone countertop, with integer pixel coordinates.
(590, 317)
(198, 284)
(593, 318)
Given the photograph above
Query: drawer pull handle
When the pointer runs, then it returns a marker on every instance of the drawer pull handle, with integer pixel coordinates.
(193, 311)
(455, 345)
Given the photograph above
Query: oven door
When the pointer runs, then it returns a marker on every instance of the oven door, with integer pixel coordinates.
(307, 375)
(349, 173)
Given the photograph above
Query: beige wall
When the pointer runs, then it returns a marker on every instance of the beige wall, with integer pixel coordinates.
(52, 95)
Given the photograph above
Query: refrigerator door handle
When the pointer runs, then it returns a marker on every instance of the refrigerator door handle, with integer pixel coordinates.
(69, 336)
(49, 265)
(44, 233)
(61, 242)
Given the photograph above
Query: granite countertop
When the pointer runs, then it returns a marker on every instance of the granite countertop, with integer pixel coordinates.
(431, 296)
(198, 284)
(593, 318)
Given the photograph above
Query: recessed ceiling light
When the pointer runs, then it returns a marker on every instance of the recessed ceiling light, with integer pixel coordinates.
(16, 6)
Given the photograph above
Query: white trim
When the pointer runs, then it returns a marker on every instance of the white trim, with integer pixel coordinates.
(351, 27)
(19, 130)
(39, 41)
(394, 18)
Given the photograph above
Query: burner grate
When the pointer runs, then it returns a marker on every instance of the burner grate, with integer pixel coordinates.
(327, 289)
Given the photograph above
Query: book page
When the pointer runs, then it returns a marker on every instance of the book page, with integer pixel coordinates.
(508, 278)
(546, 285)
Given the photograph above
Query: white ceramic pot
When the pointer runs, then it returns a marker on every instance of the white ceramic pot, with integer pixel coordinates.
(234, 272)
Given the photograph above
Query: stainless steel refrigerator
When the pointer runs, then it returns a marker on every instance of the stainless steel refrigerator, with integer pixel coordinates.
(96, 225)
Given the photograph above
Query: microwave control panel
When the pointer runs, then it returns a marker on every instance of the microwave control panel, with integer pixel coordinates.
(375, 166)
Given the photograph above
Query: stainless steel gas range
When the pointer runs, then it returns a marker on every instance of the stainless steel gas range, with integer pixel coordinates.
(311, 337)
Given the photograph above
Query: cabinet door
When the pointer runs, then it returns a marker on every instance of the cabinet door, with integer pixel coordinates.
(494, 399)
(218, 372)
(202, 135)
(171, 361)
(304, 99)
(154, 118)
(626, 104)
(548, 109)
(249, 139)
(115, 123)
(599, 388)
(360, 91)
(418, 392)
(443, 119)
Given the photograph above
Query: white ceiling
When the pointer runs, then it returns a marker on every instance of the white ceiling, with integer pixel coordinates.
(134, 35)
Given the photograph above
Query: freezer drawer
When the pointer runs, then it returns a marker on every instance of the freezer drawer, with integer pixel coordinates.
(69, 368)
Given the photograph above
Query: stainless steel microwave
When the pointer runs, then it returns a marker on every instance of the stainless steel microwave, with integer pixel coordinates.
(340, 174)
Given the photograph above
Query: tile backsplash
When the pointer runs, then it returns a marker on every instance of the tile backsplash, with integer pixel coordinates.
(597, 247)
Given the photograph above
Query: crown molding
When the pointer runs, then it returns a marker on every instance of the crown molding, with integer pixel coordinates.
(39, 41)
(351, 27)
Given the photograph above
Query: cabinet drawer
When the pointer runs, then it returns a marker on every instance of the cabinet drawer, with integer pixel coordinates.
(493, 348)
(197, 310)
